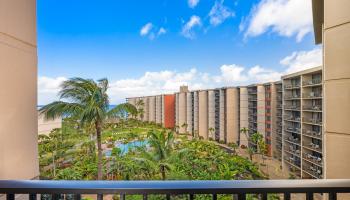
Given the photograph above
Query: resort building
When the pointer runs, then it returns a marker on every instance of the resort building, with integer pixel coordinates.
(302, 122)
(287, 113)
(159, 109)
(46, 126)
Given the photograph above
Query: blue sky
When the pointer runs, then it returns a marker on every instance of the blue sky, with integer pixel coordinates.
(151, 47)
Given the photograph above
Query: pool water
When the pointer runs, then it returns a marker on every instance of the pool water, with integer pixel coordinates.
(126, 147)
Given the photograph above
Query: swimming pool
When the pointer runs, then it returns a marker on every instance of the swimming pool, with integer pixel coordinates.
(126, 147)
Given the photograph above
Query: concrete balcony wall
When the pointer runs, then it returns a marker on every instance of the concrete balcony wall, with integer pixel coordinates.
(232, 112)
(336, 41)
(203, 114)
(211, 113)
(152, 109)
(243, 123)
(261, 109)
(189, 112)
(18, 90)
(182, 112)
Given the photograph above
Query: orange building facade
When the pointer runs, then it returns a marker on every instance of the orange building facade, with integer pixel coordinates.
(169, 111)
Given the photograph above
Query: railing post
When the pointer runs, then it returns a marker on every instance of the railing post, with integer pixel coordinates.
(215, 196)
(191, 196)
(10, 196)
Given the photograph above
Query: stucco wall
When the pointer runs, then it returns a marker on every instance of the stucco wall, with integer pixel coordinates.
(18, 90)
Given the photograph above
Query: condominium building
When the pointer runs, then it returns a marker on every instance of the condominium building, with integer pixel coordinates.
(46, 126)
(159, 109)
(302, 123)
(287, 113)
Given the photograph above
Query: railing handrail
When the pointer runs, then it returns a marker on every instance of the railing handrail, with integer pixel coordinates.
(175, 187)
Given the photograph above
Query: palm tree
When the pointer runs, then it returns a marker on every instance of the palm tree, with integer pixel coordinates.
(88, 102)
(162, 144)
(245, 131)
(211, 131)
(184, 125)
(140, 110)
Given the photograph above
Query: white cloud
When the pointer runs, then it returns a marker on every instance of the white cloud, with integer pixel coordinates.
(219, 13)
(151, 31)
(146, 29)
(48, 88)
(301, 60)
(187, 29)
(169, 81)
(192, 3)
(287, 18)
(161, 31)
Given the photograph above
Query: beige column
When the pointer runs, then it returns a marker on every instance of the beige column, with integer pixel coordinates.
(232, 115)
(211, 114)
(261, 109)
(18, 90)
(152, 108)
(189, 112)
(182, 112)
(203, 114)
(243, 114)
(337, 88)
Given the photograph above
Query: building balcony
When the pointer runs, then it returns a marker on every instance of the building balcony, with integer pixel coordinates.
(313, 108)
(293, 130)
(291, 97)
(313, 82)
(171, 189)
(317, 160)
(313, 134)
(291, 86)
(313, 147)
(292, 107)
(313, 170)
(312, 95)
(313, 121)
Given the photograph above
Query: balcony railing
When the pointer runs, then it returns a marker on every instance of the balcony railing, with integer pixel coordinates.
(170, 189)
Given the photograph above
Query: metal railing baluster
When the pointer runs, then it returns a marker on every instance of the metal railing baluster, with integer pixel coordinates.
(241, 196)
(286, 196)
(32, 196)
(332, 196)
(10, 196)
(309, 196)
